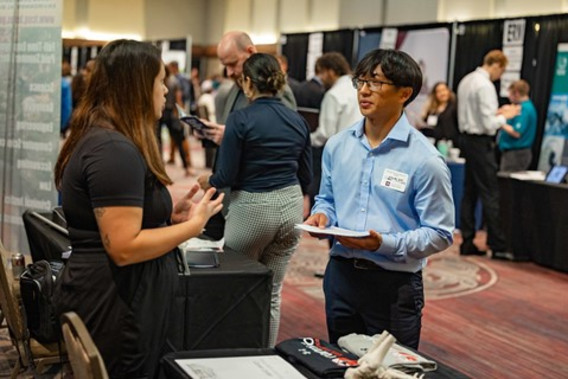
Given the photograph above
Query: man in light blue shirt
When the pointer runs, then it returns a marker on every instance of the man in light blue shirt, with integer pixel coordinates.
(383, 176)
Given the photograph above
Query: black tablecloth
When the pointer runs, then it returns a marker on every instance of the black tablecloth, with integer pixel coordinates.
(224, 307)
(170, 369)
(535, 220)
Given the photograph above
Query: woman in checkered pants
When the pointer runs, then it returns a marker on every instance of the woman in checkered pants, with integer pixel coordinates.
(265, 159)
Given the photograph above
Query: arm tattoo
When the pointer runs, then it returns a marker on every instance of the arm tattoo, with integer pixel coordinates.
(99, 212)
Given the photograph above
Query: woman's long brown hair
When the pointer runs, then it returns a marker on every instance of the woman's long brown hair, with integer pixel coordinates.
(433, 102)
(119, 96)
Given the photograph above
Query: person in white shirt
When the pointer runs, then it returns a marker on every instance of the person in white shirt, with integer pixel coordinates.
(339, 108)
(207, 99)
(479, 119)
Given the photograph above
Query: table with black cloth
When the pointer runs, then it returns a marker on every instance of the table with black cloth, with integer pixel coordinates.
(223, 307)
(170, 369)
(535, 220)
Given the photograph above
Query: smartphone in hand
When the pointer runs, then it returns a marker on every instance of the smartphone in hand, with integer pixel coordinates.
(194, 122)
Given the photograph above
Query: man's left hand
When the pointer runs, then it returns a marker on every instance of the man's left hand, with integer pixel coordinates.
(203, 181)
(371, 243)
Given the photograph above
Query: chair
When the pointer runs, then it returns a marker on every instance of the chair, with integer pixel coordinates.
(31, 352)
(47, 234)
(86, 360)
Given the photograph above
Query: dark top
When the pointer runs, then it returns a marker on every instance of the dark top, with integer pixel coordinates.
(309, 94)
(266, 147)
(447, 126)
(125, 308)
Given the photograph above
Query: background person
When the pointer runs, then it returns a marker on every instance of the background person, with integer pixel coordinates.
(265, 159)
(440, 115)
(122, 276)
(339, 108)
(516, 137)
(383, 176)
(478, 123)
(170, 118)
(233, 50)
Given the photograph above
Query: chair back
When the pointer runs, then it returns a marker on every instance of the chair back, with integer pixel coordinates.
(47, 234)
(86, 360)
(8, 303)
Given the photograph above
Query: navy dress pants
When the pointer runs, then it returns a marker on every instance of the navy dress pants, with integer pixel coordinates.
(363, 298)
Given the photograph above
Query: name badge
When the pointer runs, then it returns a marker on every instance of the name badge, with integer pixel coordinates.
(432, 120)
(394, 180)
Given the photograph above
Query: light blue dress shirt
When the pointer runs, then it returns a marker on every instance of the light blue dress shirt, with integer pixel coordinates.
(401, 189)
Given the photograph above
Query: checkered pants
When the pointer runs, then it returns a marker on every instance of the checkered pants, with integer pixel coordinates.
(261, 226)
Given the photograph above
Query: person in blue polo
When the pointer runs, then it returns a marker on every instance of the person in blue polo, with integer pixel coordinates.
(383, 176)
(517, 136)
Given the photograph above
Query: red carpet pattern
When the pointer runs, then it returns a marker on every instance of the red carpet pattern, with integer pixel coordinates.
(446, 275)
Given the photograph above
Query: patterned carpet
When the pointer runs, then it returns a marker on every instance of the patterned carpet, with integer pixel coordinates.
(487, 318)
(446, 275)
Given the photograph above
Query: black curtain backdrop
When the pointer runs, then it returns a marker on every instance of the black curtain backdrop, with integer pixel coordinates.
(296, 50)
(340, 41)
(539, 58)
(475, 39)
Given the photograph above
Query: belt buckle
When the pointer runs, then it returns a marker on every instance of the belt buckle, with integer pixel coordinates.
(361, 264)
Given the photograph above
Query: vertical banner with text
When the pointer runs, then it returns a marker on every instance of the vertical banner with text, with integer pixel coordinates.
(554, 150)
(30, 102)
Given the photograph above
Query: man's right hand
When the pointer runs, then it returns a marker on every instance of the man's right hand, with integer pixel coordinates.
(319, 220)
(213, 132)
(509, 110)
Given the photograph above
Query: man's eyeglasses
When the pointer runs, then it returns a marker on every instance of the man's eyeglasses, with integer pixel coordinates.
(373, 84)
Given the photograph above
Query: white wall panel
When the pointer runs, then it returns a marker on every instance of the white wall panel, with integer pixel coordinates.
(294, 16)
(400, 12)
(238, 15)
(324, 15)
(358, 13)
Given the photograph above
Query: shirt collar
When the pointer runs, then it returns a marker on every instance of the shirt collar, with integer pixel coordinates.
(399, 132)
(481, 71)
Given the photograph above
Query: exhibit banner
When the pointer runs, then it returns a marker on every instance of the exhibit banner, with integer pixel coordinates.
(554, 148)
(30, 102)
(430, 48)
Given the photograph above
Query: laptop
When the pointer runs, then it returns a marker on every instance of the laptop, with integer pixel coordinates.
(557, 174)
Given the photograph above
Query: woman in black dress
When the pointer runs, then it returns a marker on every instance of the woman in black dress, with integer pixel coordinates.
(122, 275)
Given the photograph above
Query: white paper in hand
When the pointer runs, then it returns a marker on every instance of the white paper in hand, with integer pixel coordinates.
(332, 231)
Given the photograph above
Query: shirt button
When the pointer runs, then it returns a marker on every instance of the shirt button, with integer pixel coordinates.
(362, 209)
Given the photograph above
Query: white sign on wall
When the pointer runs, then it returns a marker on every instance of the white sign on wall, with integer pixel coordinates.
(513, 38)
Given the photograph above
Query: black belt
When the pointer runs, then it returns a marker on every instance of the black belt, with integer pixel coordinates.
(360, 263)
(478, 135)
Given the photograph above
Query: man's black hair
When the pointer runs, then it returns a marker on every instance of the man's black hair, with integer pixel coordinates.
(397, 66)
